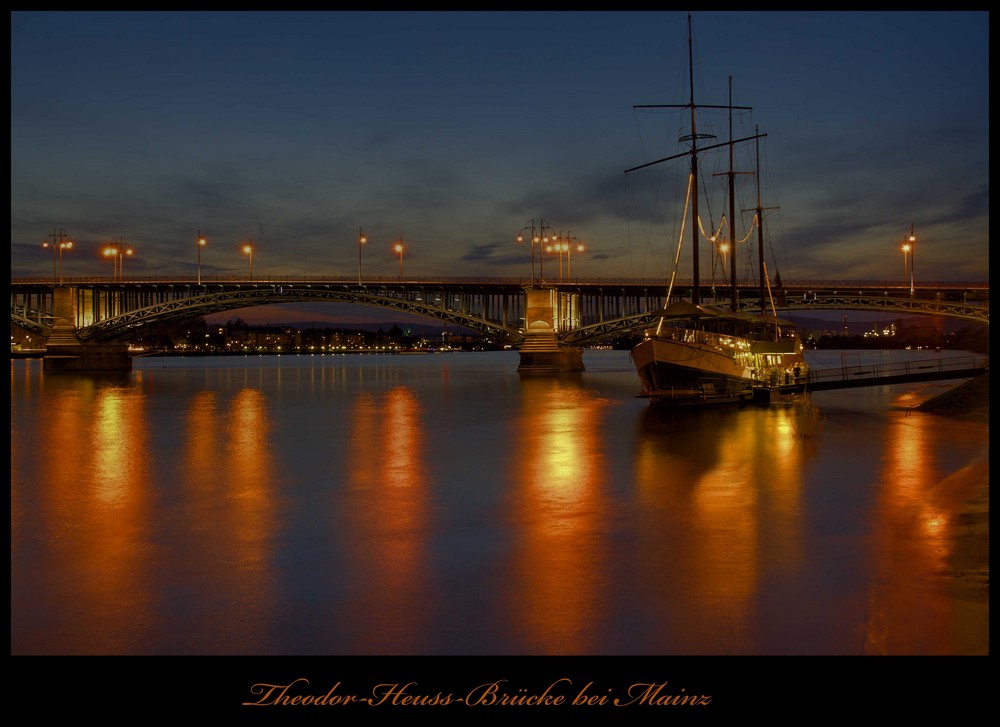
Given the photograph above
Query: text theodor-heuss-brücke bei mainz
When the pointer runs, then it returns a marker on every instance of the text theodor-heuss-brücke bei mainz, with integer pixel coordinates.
(561, 692)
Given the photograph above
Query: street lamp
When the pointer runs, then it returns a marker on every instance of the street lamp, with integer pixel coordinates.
(399, 249)
(539, 236)
(558, 247)
(566, 245)
(248, 249)
(361, 241)
(201, 243)
(569, 258)
(909, 246)
(118, 250)
(60, 243)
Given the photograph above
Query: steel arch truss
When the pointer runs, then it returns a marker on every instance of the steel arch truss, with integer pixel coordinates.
(127, 324)
(607, 329)
(29, 324)
(975, 313)
(618, 326)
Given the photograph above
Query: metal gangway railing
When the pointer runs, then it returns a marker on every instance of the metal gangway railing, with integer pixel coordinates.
(875, 374)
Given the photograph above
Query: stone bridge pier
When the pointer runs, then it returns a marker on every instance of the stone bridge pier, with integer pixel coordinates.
(64, 351)
(546, 312)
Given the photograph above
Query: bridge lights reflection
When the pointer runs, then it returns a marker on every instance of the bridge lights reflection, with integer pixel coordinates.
(58, 244)
(201, 243)
(118, 250)
(248, 250)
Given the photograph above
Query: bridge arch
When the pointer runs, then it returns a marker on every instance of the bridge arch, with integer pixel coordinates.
(126, 325)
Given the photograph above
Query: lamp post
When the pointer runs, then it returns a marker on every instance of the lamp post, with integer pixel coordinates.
(909, 244)
(68, 245)
(905, 247)
(201, 243)
(399, 249)
(118, 250)
(248, 249)
(569, 258)
(59, 243)
(558, 247)
(539, 236)
(567, 245)
(361, 241)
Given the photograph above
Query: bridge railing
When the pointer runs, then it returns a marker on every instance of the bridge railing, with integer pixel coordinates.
(347, 278)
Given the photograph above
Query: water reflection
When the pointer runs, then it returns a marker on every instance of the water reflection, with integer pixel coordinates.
(443, 505)
(720, 508)
(559, 511)
(385, 522)
(908, 610)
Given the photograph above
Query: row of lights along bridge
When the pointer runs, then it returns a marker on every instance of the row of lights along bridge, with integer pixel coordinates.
(118, 249)
(541, 235)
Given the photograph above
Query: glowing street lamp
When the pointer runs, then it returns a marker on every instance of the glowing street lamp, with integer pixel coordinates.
(566, 245)
(558, 247)
(538, 236)
(361, 241)
(201, 243)
(118, 250)
(399, 249)
(569, 258)
(58, 243)
(908, 247)
(248, 249)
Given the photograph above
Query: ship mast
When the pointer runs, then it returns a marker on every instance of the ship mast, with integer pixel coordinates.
(693, 137)
(760, 233)
(695, 232)
(732, 210)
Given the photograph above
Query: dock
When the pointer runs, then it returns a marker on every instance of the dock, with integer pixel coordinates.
(857, 375)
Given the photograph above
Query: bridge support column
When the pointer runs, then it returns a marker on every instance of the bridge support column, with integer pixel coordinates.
(65, 352)
(541, 352)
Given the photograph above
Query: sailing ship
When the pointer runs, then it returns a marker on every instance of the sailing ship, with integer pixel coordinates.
(700, 354)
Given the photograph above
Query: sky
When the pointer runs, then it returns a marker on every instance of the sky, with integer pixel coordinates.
(453, 131)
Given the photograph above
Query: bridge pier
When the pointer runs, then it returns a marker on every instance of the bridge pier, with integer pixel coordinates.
(65, 352)
(541, 352)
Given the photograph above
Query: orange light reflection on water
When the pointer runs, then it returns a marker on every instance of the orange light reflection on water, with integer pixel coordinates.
(558, 510)
(387, 518)
(715, 489)
(907, 608)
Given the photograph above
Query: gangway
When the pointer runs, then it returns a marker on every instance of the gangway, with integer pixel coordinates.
(856, 375)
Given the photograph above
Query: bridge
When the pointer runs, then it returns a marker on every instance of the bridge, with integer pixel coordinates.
(87, 322)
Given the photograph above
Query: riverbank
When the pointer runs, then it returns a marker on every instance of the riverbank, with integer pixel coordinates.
(969, 402)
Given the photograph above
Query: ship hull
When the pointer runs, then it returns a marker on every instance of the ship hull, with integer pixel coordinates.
(681, 372)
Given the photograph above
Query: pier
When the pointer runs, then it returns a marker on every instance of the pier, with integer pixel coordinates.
(857, 375)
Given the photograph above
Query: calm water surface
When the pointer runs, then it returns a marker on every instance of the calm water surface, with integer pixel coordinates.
(442, 504)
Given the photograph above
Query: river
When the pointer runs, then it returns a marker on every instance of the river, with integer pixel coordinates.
(443, 504)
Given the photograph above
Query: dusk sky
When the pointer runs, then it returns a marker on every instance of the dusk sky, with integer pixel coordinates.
(452, 130)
